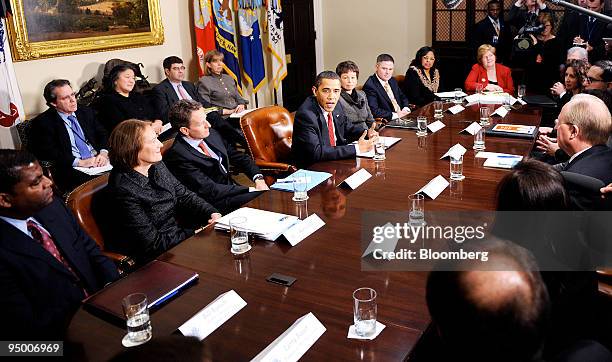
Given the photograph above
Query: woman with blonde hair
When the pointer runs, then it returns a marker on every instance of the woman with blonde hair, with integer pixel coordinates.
(493, 76)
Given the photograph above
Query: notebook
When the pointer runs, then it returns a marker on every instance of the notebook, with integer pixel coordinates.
(159, 280)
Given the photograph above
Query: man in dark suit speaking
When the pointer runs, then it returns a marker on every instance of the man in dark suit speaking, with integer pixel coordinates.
(385, 98)
(321, 131)
(582, 132)
(68, 135)
(47, 262)
(200, 159)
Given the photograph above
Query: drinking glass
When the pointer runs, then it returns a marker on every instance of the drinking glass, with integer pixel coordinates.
(479, 140)
(484, 116)
(458, 93)
(508, 101)
(136, 312)
(438, 109)
(300, 185)
(379, 150)
(416, 216)
(521, 90)
(456, 167)
(479, 88)
(239, 235)
(364, 311)
(421, 126)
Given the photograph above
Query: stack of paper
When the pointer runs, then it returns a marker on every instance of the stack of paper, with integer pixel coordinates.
(94, 171)
(264, 224)
(487, 98)
(313, 178)
(449, 94)
(389, 141)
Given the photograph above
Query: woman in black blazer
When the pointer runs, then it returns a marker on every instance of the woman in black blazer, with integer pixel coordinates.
(146, 198)
(121, 102)
(422, 78)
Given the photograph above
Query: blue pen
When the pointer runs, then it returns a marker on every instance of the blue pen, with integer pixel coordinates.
(507, 156)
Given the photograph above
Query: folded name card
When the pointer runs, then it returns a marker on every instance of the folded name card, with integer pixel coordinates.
(355, 180)
(294, 342)
(455, 151)
(387, 245)
(456, 109)
(213, 315)
(303, 229)
(434, 187)
(436, 126)
(472, 128)
(501, 111)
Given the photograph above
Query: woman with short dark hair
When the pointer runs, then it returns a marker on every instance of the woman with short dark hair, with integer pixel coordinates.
(353, 100)
(422, 78)
(146, 198)
(121, 102)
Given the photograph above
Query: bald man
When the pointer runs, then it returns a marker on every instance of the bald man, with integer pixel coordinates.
(582, 132)
(495, 315)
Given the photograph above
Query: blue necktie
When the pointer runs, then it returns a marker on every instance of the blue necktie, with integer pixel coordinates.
(79, 138)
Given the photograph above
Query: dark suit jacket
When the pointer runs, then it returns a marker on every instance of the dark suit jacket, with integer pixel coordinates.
(595, 162)
(204, 175)
(594, 34)
(311, 138)
(49, 141)
(379, 101)
(165, 97)
(39, 295)
(113, 108)
(143, 223)
(484, 33)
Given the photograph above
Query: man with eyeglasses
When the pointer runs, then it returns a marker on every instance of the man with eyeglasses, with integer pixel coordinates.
(599, 76)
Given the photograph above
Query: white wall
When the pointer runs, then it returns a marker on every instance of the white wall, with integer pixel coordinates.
(359, 30)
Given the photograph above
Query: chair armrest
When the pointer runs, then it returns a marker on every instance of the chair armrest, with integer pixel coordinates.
(275, 166)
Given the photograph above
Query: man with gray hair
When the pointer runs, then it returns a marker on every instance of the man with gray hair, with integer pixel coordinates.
(582, 132)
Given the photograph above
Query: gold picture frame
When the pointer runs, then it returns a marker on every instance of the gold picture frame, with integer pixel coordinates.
(28, 44)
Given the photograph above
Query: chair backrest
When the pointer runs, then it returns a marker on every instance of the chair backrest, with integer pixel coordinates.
(400, 78)
(583, 191)
(23, 129)
(80, 201)
(167, 144)
(269, 132)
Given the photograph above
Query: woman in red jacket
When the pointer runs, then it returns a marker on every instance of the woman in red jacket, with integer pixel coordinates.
(495, 77)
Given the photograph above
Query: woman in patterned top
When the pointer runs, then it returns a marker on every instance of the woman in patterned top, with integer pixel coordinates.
(422, 78)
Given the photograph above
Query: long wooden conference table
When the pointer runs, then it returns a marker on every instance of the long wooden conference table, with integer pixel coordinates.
(327, 264)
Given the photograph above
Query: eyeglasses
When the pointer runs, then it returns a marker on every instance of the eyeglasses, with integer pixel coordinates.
(179, 68)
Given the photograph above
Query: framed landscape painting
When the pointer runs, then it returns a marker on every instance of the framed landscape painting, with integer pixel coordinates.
(51, 28)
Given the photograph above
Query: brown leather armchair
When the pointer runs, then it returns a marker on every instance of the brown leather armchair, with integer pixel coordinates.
(167, 144)
(80, 202)
(269, 132)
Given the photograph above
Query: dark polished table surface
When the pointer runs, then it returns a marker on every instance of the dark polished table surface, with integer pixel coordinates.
(327, 264)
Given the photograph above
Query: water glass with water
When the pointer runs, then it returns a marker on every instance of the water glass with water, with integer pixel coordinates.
(484, 116)
(300, 187)
(421, 126)
(458, 94)
(379, 150)
(521, 90)
(239, 235)
(479, 88)
(456, 167)
(364, 311)
(136, 312)
(416, 215)
(508, 101)
(438, 109)
(479, 140)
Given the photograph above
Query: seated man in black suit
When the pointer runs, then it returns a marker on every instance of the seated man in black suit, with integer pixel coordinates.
(174, 88)
(47, 262)
(493, 30)
(321, 131)
(200, 159)
(68, 135)
(385, 98)
(582, 132)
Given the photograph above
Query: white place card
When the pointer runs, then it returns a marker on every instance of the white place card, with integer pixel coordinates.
(388, 245)
(94, 171)
(303, 229)
(213, 315)
(522, 102)
(353, 335)
(434, 187)
(435, 126)
(501, 111)
(294, 342)
(456, 151)
(472, 128)
(456, 109)
(355, 180)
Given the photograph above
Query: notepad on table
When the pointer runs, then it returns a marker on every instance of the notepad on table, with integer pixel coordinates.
(313, 178)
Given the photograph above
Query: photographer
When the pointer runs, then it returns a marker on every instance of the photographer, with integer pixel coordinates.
(523, 17)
